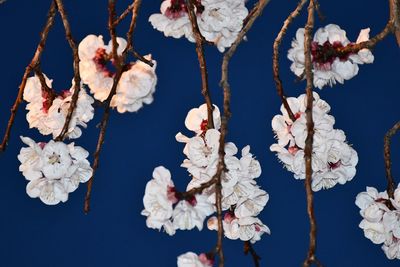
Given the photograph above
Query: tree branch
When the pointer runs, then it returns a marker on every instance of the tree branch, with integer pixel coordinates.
(388, 163)
(36, 59)
(275, 61)
(77, 76)
(119, 64)
(202, 62)
(249, 248)
(123, 15)
(311, 258)
(395, 15)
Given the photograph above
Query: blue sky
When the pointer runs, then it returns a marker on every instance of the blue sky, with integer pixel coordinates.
(114, 233)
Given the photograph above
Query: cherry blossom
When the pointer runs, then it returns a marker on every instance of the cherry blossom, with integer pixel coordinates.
(94, 65)
(158, 200)
(251, 205)
(53, 169)
(381, 220)
(242, 199)
(333, 160)
(173, 20)
(190, 259)
(48, 113)
(246, 228)
(219, 21)
(329, 64)
(197, 119)
(192, 213)
(137, 83)
(136, 87)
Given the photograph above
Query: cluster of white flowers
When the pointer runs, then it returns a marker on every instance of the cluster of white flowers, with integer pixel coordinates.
(242, 199)
(137, 83)
(220, 21)
(191, 259)
(381, 219)
(160, 196)
(333, 160)
(53, 169)
(48, 115)
(329, 65)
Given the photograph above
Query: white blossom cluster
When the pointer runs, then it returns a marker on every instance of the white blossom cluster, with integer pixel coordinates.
(381, 219)
(159, 199)
(48, 115)
(242, 199)
(329, 66)
(333, 160)
(191, 259)
(53, 169)
(137, 83)
(219, 21)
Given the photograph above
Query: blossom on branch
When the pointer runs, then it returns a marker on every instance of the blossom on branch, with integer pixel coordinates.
(173, 20)
(241, 198)
(219, 21)
(245, 228)
(192, 213)
(138, 81)
(330, 64)
(48, 112)
(190, 259)
(158, 200)
(197, 119)
(381, 219)
(53, 169)
(333, 160)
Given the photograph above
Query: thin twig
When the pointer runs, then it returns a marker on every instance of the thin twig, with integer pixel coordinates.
(319, 11)
(77, 76)
(249, 248)
(388, 163)
(311, 258)
(395, 15)
(119, 64)
(390, 27)
(198, 190)
(275, 61)
(36, 58)
(142, 58)
(371, 43)
(123, 15)
(202, 62)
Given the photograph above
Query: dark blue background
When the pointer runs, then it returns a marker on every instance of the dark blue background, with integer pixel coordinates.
(114, 233)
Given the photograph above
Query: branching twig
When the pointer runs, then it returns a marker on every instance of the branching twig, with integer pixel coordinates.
(311, 258)
(36, 58)
(123, 15)
(77, 76)
(249, 248)
(119, 64)
(275, 61)
(202, 61)
(388, 163)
